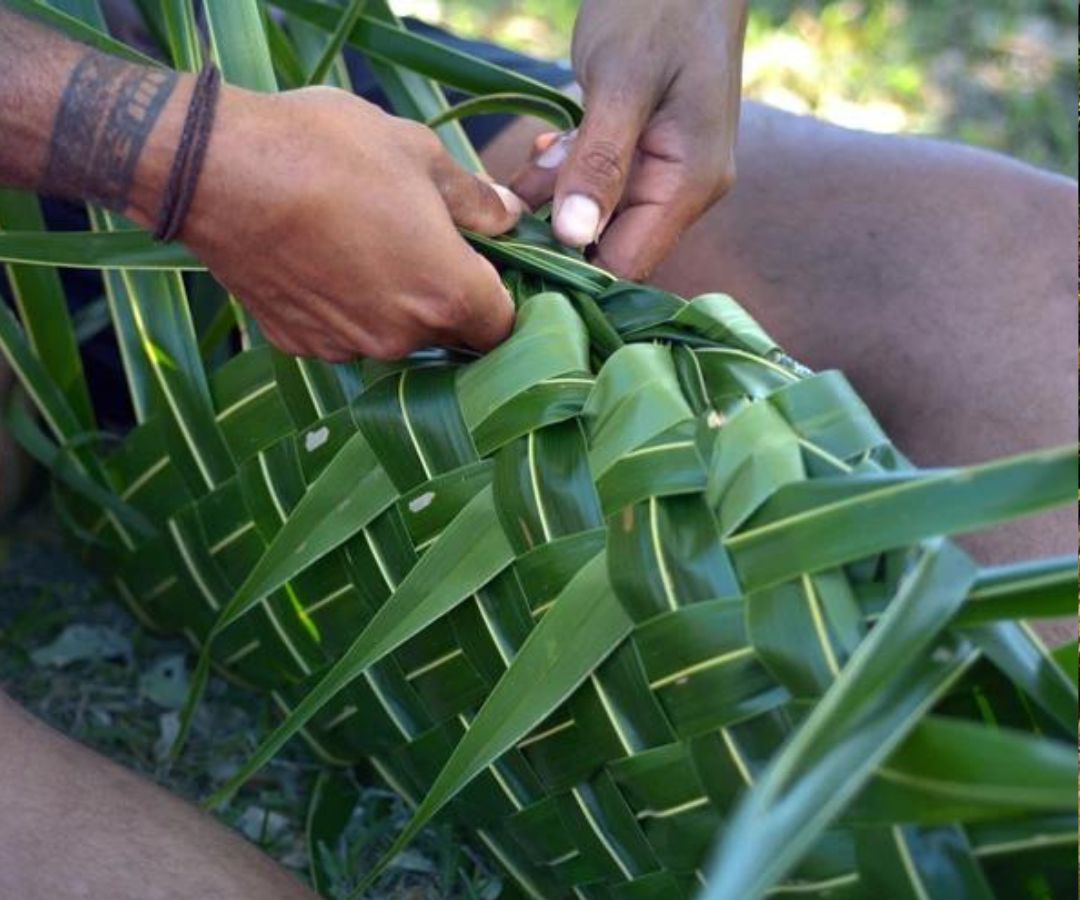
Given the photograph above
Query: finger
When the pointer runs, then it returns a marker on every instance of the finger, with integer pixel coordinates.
(535, 182)
(280, 337)
(475, 204)
(332, 353)
(591, 181)
(640, 238)
(487, 316)
(336, 327)
(314, 339)
(315, 345)
(329, 348)
(543, 142)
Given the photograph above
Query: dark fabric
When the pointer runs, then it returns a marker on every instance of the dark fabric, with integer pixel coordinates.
(101, 355)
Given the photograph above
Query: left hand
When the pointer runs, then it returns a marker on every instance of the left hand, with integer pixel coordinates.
(662, 81)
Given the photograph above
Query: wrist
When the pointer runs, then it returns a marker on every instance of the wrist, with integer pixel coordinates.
(155, 162)
(209, 139)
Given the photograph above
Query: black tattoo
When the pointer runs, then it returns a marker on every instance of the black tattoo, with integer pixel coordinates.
(107, 111)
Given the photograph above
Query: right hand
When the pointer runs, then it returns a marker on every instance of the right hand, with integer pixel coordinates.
(335, 224)
(662, 83)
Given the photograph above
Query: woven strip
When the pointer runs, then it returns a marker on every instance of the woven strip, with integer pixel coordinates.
(621, 791)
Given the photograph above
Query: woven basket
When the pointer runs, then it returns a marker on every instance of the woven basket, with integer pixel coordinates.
(658, 500)
(632, 590)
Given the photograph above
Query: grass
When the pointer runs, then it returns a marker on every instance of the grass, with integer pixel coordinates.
(72, 654)
(998, 73)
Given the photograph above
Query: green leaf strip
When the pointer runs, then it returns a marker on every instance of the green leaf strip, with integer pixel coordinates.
(183, 34)
(506, 104)
(80, 31)
(1031, 590)
(891, 681)
(43, 309)
(903, 513)
(92, 250)
(467, 555)
(431, 59)
(343, 29)
(580, 631)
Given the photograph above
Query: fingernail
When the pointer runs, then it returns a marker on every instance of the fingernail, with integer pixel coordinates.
(513, 203)
(577, 221)
(559, 151)
(554, 156)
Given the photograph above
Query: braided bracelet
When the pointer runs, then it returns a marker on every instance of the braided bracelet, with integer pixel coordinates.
(190, 154)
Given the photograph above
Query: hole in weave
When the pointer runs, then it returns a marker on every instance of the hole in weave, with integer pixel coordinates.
(942, 655)
(315, 439)
(422, 502)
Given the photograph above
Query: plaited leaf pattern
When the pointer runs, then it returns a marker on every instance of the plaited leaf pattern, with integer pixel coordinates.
(649, 608)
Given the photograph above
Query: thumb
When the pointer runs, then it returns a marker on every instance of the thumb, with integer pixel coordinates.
(475, 204)
(491, 310)
(592, 180)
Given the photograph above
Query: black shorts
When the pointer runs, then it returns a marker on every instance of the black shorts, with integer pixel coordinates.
(101, 355)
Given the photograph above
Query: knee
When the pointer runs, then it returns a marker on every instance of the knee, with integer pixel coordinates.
(10, 711)
(1029, 220)
(1055, 203)
(13, 722)
(1051, 232)
(1039, 209)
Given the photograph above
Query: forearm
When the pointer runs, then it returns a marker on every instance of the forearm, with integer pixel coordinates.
(299, 198)
(75, 825)
(82, 125)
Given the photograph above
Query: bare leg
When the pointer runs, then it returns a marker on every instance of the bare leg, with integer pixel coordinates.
(938, 277)
(75, 825)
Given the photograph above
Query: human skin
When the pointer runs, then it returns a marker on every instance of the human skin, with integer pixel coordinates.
(75, 825)
(298, 209)
(661, 84)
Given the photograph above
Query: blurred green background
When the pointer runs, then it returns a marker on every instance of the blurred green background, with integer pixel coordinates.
(997, 73)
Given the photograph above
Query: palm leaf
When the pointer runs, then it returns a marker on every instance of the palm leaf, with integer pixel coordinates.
(182, 33)
(93, 36)
(634, 591)
(506, 104)
(377, 37)
(47, 322)
(342, 30)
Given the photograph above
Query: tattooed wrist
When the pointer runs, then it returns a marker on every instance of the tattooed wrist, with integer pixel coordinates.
(108, 110)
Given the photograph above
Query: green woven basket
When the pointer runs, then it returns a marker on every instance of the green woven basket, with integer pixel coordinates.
(649, 608)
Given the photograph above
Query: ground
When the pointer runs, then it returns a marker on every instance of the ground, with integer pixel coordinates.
(71, 652)
(993, 72)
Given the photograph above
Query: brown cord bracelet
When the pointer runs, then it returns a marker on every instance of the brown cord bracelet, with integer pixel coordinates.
(190, 154)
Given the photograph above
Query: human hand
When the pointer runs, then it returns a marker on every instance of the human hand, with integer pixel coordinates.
(335, 225)
(662, 83)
